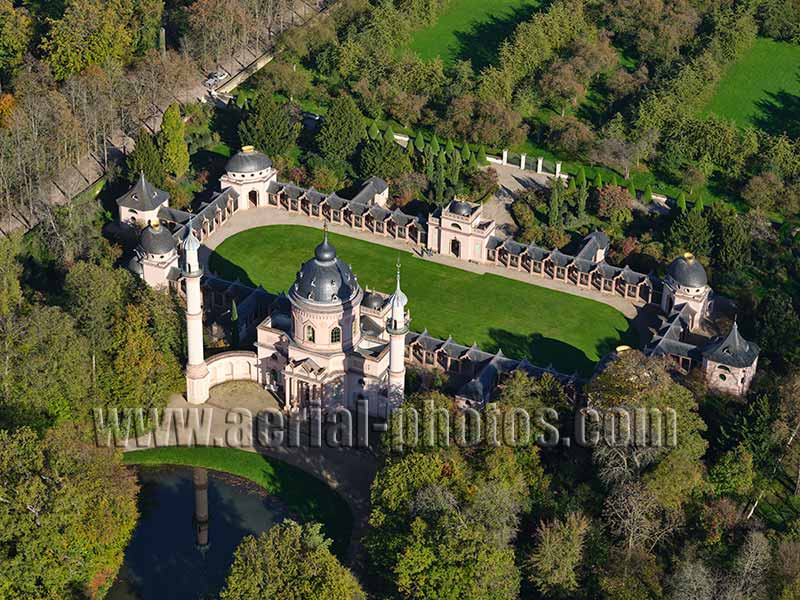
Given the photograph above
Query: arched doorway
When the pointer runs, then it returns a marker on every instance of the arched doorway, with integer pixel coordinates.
(253, 197)
(455, 248)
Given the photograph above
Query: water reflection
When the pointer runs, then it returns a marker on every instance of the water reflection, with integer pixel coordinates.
(190, 524)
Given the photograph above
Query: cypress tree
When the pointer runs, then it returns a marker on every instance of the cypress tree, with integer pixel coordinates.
(465, 152)
(388, 137)
(419, 142)
(699, 204)
(449, 148)
(172, 142)
(481, 158)
(454, 170)
(681, 202)
(648, 195)
(556, 192)
(598, 181)
(614, 180)
(374, 132)
(429, 161)
(473, 163)
(631, 190)
(234, 325)
(571, 185)
(583, 196)
(435, 145)
(439, 179)
(581, 177)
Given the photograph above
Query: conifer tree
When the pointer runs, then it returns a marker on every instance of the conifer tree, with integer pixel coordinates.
(466, 153)
(374, 132)
(449, 148)
(172, 142)
(571, 185)
(699, 204)
(556, 197)
(342, 130)
(631, 190)
(647, 198)
(614, 180)
(598, 182)
(481, 158)
(681, 202)
(454, 170)
(440, 175)
(435, 145)
(146, 159)
(419, 142)
(581, 177)
(269, 127)
(234, 325)
(582, 196)
(388, 136)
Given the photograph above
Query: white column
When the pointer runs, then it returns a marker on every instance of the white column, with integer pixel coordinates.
(522, 161)
(558, 170)
(397, 344)
(505, 157)
(539, 164)
(197, 379)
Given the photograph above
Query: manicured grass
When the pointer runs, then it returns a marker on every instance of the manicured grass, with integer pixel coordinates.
(762, 88)
(525, 320)
(472, 29)
(308, 498)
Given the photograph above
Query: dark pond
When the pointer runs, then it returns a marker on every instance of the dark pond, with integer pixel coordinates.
(191, 521)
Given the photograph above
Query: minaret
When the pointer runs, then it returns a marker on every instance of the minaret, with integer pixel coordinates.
(398, 327)
(196, 369)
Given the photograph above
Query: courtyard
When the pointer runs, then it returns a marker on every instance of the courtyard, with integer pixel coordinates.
(526, 321)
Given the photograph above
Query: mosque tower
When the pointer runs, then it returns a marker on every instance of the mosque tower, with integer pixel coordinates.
(398, 327)
(196, 369)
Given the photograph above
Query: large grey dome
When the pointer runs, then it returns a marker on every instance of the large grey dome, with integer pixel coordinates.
(325, 279)
(687, 271)
(156, 239)
(460, 208)
(248, 160)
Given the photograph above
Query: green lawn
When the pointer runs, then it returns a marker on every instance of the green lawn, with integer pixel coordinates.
(762, 88)
(472, 30)
(524, 320)
(307, 497)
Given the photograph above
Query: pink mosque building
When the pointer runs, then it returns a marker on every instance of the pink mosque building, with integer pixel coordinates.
(330, 342)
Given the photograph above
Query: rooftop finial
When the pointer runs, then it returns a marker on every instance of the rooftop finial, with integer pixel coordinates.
(398, 272)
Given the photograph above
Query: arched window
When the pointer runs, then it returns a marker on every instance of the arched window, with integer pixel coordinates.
(310, 333)
(336, 335)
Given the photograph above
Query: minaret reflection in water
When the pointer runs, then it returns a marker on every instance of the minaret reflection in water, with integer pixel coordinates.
(200, 481)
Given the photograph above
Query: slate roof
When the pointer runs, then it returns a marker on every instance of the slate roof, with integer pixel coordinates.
(732, 350)
(143, 196)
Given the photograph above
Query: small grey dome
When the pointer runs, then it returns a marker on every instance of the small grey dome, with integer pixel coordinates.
(156, 239)
(135, 266)
(687, 271)
(460, 208)
(373, 301)
(325, 279)
(248, 160)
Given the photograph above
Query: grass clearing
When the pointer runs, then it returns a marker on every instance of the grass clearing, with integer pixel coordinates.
(309, 498)
(472, 30)
(762, 89)
(526, 321)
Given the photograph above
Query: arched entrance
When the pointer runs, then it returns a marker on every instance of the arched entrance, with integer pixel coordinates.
(253, 197)
(455, 248)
